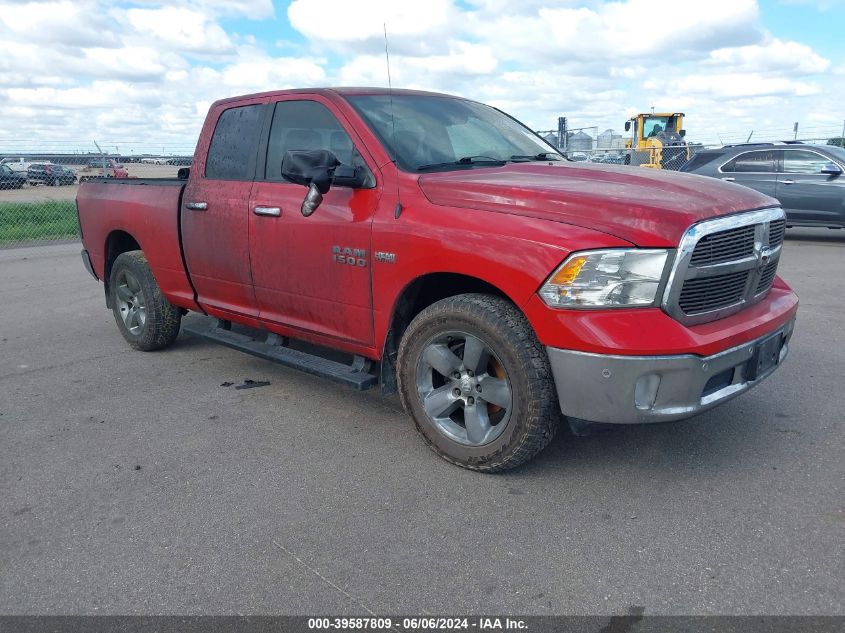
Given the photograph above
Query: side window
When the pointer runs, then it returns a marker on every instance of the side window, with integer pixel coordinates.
(231, 154)
(803, 162)
(760, 161)
(306, 125)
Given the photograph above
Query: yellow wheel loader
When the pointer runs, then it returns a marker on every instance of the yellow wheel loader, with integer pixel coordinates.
(656, 140)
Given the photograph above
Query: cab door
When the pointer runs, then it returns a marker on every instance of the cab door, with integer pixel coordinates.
(754, 169)
(312, 273)
(215, 211)
(805, 193)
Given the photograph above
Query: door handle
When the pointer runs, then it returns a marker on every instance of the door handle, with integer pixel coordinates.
(271, 211)
(728, 179)
(196, 206)
(787, 182)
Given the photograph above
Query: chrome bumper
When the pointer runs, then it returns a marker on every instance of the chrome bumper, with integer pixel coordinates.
(635, 389)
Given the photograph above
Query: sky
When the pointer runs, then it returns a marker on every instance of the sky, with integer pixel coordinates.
(139, 75)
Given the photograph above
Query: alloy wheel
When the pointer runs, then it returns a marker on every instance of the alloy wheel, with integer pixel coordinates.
(464, 388)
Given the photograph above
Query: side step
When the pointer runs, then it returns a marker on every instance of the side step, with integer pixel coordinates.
(354, 375)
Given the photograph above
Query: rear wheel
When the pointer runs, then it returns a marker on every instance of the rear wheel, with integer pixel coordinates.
(144, 317)
(477, 383)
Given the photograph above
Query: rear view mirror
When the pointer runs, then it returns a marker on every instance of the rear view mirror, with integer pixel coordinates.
(832, 169)
(683, 133)
(627, 126)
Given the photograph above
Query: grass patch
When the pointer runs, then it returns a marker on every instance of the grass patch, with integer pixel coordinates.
(30, 221)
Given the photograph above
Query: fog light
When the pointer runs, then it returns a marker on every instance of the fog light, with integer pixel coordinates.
(645, 391)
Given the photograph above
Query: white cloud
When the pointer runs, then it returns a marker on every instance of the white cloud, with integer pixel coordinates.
(344, 21)
(774, 55)
(148, 69)
(180, 29)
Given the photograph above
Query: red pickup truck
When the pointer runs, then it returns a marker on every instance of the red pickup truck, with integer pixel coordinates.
(452, 255)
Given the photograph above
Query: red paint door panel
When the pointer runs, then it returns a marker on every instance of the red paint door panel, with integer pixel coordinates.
(298, 281)
(215, 212)
(299, 278)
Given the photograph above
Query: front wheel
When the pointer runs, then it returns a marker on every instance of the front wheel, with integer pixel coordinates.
(144, 317)
(477, 382)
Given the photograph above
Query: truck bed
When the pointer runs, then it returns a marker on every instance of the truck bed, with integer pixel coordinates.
(112, 209)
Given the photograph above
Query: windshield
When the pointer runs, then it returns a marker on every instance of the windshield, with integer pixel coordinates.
(654, 125)
(424, 132)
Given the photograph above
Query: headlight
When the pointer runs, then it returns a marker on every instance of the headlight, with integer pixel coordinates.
(606, 278)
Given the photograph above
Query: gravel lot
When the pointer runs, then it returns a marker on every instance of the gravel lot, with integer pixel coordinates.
(136, 483)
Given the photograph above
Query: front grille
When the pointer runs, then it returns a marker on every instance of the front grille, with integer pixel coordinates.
(712, 293)
(720, 266)
(776, 232)
(767, 277)
(724, 246)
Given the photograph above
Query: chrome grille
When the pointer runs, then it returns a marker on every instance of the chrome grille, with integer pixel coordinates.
(776, 233)
(711, 293)
(723, 246)
(724, 265)
(767, 277)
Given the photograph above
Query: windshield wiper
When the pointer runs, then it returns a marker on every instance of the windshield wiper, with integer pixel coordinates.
(540, 156)
(466, 160)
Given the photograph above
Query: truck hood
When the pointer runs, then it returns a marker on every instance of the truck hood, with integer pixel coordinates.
(647, 207)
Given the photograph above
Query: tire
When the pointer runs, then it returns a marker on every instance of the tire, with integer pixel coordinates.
(55, 182)
(144, 317)
(512, 370)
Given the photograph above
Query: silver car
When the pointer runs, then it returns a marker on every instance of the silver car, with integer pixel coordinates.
(807, 179)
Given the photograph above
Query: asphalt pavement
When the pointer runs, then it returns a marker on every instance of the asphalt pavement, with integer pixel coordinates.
(135, 483)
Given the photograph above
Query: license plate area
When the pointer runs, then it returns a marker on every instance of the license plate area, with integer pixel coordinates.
(766, 355)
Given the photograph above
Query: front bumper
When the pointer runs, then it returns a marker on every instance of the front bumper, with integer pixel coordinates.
(635, 389)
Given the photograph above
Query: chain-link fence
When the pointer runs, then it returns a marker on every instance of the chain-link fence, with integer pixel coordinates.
(38, 188)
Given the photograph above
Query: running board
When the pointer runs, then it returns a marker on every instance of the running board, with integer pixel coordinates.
(354, 375)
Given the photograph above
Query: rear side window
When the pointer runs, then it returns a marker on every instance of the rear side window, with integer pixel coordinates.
(760, 161)
(306, 125)
(231, 154)
(699, 160)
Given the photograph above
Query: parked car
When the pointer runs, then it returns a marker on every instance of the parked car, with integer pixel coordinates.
(50, 174)
(490, 282)
(10, 179)
(807, 179)
(180, 162)
(609, 159)
(17, 165)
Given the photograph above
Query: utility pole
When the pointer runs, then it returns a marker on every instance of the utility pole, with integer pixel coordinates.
(561, 133)
(795, 129)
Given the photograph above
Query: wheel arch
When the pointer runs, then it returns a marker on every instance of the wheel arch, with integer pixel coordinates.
(416, 296)
(118, 242)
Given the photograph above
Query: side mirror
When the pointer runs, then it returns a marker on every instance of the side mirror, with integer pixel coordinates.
(683, 133)
(313, 169)
(832, 169)
(627, 126)
(348, 176)
(318, 170)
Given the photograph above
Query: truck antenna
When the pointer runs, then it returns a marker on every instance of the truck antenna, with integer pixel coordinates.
(398, 210)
